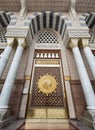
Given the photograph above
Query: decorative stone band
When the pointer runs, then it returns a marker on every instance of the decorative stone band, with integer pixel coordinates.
(7, 18)
(48, 19)
(17, 33)
(78, 33)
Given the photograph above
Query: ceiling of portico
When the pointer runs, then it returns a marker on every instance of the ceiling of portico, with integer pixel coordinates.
(52, 5)
(10, 5)
(85, 6)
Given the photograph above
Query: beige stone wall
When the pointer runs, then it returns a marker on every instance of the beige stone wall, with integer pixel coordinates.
(78, 98)
(15, 100)
(71, 65)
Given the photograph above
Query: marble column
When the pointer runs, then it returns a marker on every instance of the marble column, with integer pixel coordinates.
(89, 55)
(9, 83)
(6, 55)
(85, 81)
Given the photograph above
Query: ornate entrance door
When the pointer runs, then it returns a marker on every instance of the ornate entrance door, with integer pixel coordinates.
(47, 98)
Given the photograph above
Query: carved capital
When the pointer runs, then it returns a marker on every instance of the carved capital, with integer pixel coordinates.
(73, 43)
(10, 42)
(21, 42)
(85, 43)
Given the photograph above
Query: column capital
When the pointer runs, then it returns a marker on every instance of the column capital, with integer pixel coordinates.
(21, 42)
(10, 42)
(73, 43)
(85, 42)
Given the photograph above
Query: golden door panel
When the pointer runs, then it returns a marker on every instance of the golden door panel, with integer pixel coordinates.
(47, 79)
(46, 98)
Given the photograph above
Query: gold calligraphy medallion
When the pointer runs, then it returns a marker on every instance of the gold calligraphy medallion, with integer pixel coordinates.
(47, 84)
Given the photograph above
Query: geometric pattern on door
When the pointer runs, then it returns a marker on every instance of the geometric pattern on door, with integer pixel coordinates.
(40, 99)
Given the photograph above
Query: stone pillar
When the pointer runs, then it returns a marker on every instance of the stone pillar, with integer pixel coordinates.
(23, 8)
(72, 9)
(6, 55)
(89, 55)
(85, 81)
(9, 83)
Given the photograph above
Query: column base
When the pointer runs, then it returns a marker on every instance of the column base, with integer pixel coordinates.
(4, 114)
(89, 118)
(5, 117)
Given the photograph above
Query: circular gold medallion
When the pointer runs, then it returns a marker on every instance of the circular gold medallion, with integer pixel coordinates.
(47, 84)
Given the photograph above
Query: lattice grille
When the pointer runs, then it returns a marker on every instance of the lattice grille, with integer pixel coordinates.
(47, 37)
(92, 38)
(2, 37)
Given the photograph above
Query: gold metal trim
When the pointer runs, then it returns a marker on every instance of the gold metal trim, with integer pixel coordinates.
(51, 113)
(47, 62)
(67, 78)
(27, 77)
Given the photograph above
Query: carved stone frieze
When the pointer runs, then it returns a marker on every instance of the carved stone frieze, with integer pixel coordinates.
(78, 33)
(15, 32)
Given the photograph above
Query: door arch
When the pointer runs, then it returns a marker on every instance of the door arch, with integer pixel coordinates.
(45, 99)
